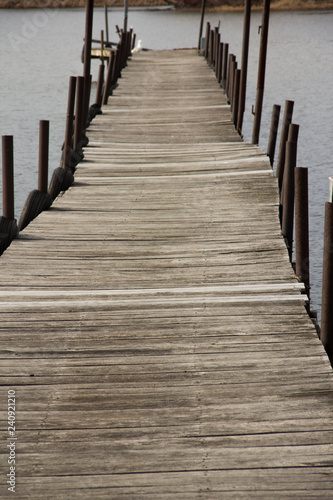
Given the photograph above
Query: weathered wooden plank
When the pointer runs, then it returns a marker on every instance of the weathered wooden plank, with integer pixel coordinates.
(151, 323)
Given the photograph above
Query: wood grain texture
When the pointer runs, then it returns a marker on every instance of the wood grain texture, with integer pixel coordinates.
(151, 323)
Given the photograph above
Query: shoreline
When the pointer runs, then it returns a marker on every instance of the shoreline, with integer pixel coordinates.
(233, 6)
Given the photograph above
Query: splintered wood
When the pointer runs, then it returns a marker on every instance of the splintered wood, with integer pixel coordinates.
(151, 324)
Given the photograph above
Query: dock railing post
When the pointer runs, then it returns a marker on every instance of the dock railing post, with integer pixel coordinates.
(244, 64)
(286, 121)
(217, 53)
(326, 333)
(261, 72)
(219, 68)
(87, 59)
(273, 133)
(39, 199)
(67, 163)
(288, 188)
(8, 176)
(237, 77)
(206, 48)
(225, 60)
(78, 124)
(62, 177)
(203, 6)
(43, 156)
(109, 77)
(8, 225)
(302, 227)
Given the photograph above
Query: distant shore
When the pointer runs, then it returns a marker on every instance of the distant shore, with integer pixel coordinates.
(215, 5)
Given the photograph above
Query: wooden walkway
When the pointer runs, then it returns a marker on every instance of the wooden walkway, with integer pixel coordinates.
(151, 324)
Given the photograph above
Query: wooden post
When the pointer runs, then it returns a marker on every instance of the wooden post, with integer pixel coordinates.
(219, 67)
(87, 59)
(217, 52)
(67, 163)
(109, 76)
(302, 227)
(43, 158)
(100, 82)
(211, 47)
(203, 5)
(8, 176)
(326, 333)
(261, 72)
(230, 78)
(225, 65)
(245, 56)
(206, 51)
(273, 132)
(287, 117)
(289, 187)
(237, 77)
(78, 129)
(106, 22)
(125, 15)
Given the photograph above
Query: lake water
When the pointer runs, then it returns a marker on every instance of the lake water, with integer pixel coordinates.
(40, 49)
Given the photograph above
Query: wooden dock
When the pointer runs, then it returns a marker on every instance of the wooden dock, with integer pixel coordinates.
(151, 323)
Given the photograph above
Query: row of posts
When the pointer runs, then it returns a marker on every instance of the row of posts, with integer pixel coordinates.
(292, 180)
(77, 122)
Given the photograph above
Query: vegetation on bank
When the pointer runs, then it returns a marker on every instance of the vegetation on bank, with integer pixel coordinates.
(213, 4)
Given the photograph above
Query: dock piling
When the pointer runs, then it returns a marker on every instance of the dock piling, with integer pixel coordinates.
(39, 199)
(286, 121)
(225, 60)
(326, 334)
(8, 176)
(273, 132)
(261, 72)
(43, 159)
(288, 187)
(244, 64)
(302, 227)
(203, 6)
(8, 226)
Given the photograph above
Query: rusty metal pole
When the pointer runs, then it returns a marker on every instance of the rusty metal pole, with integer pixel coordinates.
(273, 132)
(203, 6)
(8, 176)
(69, 123)
(43, 158)
(287, 117)
(261, 72)
(326, 333)
(244, 64)
(289, 188)
(87, 59)
(302, 227)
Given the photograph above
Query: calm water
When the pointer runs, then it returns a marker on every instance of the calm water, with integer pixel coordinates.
(40, 49)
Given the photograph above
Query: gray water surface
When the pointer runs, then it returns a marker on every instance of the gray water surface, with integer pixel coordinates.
(41, 49)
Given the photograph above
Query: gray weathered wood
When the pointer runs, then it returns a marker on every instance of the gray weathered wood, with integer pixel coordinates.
(151, 323)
